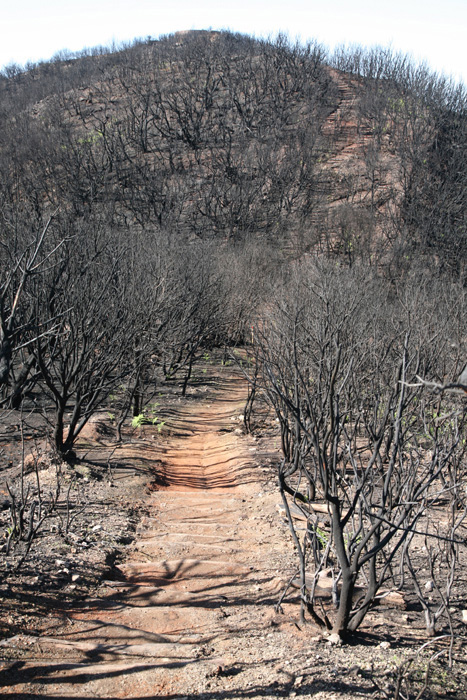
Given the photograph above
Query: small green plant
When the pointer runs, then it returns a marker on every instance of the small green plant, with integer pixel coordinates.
(148, 417)
(321, 536)
(138, 420)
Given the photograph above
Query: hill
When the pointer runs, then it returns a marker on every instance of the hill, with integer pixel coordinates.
(215, 135)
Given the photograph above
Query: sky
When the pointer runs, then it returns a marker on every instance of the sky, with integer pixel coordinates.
(433, 31)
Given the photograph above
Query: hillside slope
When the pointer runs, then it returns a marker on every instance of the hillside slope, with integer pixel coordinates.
(215, 135)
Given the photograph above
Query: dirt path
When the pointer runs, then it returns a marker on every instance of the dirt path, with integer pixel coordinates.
(190, 607)
(189, 612)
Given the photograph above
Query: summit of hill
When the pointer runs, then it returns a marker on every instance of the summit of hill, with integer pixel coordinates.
(214, 135)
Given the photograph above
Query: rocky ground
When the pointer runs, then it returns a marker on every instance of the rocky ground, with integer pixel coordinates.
(158, 574)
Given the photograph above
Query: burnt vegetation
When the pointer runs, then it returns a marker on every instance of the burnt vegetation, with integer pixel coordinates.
(212, 190)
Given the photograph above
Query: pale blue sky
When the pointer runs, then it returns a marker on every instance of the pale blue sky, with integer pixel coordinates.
(430, 30)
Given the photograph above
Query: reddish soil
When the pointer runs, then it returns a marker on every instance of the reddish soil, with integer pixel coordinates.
(188, 611)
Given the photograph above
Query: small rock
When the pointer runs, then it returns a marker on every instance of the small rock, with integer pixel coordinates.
(429, 586)
(218, 671)
(335, 640)
(75, 578)
(464, 616)
(385, 645)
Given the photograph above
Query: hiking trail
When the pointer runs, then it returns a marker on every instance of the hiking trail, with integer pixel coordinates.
(194, 597)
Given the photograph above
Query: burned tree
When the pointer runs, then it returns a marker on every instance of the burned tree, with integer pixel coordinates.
(374, 448)
(89, 351)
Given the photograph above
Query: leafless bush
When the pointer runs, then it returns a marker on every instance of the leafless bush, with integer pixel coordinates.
(337, 355)
(30, 505)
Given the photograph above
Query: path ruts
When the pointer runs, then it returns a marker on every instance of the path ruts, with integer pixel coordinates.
(180, 606)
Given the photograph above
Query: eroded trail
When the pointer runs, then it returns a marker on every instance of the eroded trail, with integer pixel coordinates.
(196, 590)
